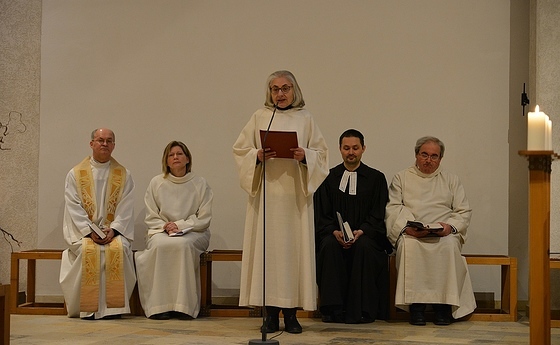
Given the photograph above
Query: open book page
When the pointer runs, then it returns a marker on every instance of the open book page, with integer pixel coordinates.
(434, 227)
(181, 232)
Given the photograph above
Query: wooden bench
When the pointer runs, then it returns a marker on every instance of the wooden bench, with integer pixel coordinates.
(508, 309)
(31, 306)
(507, 312)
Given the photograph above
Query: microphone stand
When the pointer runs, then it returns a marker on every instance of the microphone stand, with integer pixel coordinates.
(263, 339)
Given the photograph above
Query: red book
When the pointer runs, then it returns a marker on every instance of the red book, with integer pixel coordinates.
(281, 142)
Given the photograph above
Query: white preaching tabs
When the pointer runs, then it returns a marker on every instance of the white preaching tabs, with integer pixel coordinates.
(349, 176)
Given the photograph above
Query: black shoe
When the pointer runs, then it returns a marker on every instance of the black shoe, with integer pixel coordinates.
(366, 318)
(333, 318)
(161, 316)
(112, 317)
(271, 324)
(417, 317)
(89, 317)
(181, 316)
(291, 324)
(442, 314)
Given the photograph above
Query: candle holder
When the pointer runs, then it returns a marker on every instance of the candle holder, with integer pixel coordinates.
(540, 168)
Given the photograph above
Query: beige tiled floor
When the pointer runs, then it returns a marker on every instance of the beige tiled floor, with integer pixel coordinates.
(38, 329)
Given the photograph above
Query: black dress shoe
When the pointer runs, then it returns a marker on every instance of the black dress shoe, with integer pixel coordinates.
(366, 318)
(271, 324)
(333, 318)
(442, 314)
(181, 316)
(112, 317)
(161, 316)
(442, 319)
(417, 317)
(291, 324)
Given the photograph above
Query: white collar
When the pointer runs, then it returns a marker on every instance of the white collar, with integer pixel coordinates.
(351, 176)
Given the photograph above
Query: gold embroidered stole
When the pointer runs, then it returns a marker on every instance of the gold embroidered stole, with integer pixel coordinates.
(91, 252)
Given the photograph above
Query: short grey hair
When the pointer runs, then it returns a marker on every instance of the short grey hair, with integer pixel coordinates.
(429, 139)
(95, 131)
(298, 96)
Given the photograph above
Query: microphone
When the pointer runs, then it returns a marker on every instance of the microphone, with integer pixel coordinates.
(268, 129)
(264, 339)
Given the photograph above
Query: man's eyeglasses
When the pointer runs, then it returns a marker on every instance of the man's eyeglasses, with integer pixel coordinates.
(433, 157)
(102, 141)
(285, 89)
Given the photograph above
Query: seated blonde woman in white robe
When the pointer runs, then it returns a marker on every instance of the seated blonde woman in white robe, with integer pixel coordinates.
(178, 214)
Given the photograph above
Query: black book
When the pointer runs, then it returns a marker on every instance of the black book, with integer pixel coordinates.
(432, 227)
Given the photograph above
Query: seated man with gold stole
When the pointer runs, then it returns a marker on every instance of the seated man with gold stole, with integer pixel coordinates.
(97, 271)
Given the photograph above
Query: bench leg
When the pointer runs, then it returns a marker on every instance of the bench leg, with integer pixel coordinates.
(5, 314)
(31, 271)
(392, 288)
(205, 285)
(14, 285)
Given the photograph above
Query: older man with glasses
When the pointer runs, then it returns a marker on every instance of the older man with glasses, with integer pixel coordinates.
(97, 270)
(430, 267)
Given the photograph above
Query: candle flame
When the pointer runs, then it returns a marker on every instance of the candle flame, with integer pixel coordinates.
(537, 109)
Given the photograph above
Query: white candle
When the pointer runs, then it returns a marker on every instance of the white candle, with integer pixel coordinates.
(549, 134)
(536, 130)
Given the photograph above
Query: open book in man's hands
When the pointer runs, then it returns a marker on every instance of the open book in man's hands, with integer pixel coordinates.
(432, 227)
(181, 232)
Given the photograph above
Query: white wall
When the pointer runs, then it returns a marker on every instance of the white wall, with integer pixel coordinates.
(155, 71)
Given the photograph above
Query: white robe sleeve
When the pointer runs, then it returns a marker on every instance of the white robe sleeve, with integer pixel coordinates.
(245, 153)
(316, 169)
(396, 214)
(75, 225)
(153, 219)
(461, 211)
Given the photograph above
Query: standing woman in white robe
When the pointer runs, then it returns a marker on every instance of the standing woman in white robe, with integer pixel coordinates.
(169, 269)
(290, 184)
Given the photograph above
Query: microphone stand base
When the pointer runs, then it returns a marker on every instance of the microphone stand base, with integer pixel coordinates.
(260, 341)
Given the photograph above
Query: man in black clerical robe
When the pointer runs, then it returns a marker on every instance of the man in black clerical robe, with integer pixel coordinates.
(352, 276)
